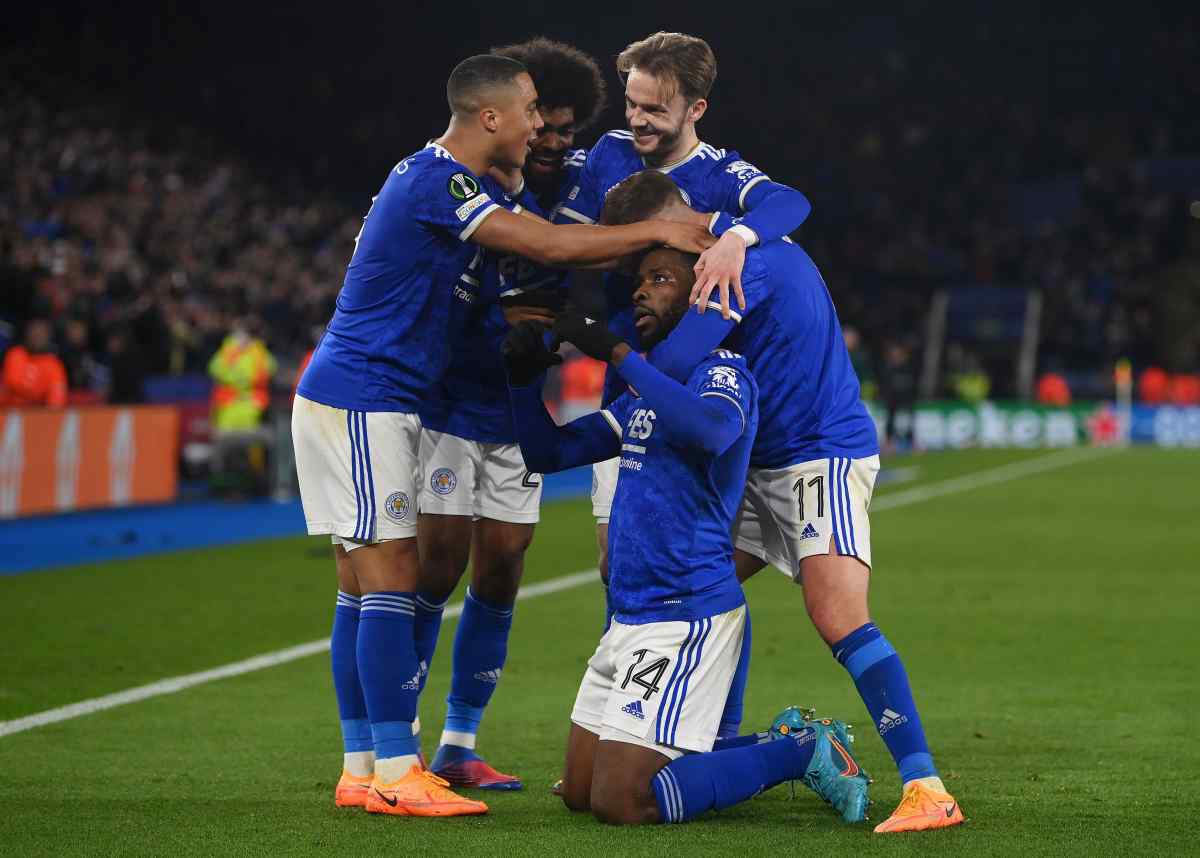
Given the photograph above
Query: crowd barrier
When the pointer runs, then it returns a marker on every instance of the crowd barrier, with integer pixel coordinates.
(87, 458)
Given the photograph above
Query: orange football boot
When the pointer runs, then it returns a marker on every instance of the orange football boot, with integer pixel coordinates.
(420, 793)
(921, 808)
(352, 791)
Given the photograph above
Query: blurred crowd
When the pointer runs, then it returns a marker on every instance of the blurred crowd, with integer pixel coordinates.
(133, 247)
(144, 247)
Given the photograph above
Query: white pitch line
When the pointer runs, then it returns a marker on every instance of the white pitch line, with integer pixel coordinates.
(171, 685)
(237, 668)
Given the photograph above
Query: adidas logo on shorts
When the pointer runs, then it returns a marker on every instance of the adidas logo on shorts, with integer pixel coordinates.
(809, 532)
(635, 709)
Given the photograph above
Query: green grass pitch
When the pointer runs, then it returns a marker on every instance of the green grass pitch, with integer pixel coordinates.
(1048, 624)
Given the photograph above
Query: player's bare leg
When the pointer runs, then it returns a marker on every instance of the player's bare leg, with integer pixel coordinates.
(835, 596)
(746, 565)
(575, 787)
(621, 793)
(497, 552)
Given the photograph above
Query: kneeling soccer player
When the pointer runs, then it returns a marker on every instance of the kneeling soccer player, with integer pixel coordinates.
(648, 709)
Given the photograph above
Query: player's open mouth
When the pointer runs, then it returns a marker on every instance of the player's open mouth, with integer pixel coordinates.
(640, 315)
(545, 159)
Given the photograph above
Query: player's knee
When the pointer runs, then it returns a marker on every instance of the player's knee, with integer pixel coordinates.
(577, 800)
(833, 620)
(623, 807)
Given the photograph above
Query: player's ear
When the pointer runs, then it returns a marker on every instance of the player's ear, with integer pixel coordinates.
(490, 119)
(697, 110)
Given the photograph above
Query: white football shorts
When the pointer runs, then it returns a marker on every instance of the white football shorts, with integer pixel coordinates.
(791, 513)
(661, 685)
(358, 472)
(604, 486)
(482, 480)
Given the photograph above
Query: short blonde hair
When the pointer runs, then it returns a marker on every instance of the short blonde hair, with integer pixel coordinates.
(682, 63)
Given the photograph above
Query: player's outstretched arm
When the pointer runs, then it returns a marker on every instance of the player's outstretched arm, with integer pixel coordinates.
(707, 423)
(579, 244)
(690, 419)
(772, 210)
(546, 447)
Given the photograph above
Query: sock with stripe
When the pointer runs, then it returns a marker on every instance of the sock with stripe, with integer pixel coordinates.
(727, 742)
(882, 682)
(480, 650)
(390, 677)
(691, 785)
(426, 627)
(358, 749)
(731, 718)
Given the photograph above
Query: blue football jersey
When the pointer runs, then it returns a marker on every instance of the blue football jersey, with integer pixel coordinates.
(670, 549)
(711, 179)
(471, 400)
(790, 335)
(389, 340)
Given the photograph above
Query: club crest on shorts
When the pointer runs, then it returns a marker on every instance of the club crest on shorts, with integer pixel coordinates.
(397, 506)
(443, 481)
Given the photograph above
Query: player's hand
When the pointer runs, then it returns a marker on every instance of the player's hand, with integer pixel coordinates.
(720, 267)
(525, 354)
(688, 237)
(590, 336)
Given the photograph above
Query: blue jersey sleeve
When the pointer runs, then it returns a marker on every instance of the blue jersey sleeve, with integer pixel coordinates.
(693, 416)
(452, 198)
(771, 210)
(726, 379)
(548, 448)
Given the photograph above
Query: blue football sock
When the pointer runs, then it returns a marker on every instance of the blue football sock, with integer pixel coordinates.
(343, 643)
(480, 650)
(427, 625)
(724, 744)
(882, 682)
(691, 785)
(731, 718)
(387, 667)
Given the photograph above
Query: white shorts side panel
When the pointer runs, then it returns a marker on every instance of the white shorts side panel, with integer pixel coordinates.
(358, 471)
(604, 486)
(482, 480)
(791, 513)
(663, 684)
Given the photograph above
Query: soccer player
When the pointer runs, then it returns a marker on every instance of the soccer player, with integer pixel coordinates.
(355, 426)
(812, 472)
(648, 708)
(478, 500)
(668, 77)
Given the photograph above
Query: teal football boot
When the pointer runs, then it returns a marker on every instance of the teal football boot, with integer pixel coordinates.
(833, 773)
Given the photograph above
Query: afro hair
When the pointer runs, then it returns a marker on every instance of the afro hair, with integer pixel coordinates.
(564, 76)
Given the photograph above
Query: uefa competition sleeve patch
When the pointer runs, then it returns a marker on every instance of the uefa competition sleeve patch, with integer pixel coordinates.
(464, 211)
(462, 187)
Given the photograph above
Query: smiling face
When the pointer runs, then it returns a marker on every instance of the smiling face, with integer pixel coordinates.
(660, 118)
(664, 284)
(515, 121)
(553, 141)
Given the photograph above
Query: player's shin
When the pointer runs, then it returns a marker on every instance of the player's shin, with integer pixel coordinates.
(691, 785)
(358, 748)
(390, 676)
(427, 624)
(882, 681)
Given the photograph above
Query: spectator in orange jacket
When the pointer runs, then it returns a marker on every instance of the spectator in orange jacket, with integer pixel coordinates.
(32, 373)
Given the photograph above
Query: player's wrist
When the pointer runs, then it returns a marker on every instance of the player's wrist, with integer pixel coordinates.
(620, 351)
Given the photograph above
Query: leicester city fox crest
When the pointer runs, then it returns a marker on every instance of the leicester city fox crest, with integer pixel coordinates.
(397, 506)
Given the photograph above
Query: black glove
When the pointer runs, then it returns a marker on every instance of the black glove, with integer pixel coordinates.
(590, 336)
(525, 354)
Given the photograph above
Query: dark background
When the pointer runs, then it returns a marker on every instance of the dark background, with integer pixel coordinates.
(338, 91)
